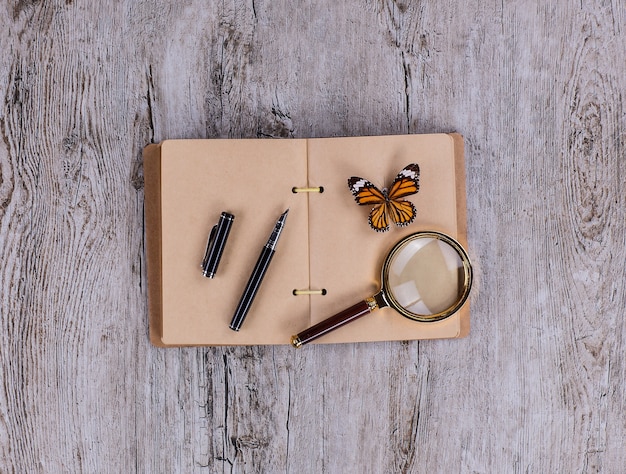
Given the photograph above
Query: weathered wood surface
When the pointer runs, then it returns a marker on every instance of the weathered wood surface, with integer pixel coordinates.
(536, 88)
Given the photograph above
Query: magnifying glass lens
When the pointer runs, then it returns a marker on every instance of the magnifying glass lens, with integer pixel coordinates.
(425, 277)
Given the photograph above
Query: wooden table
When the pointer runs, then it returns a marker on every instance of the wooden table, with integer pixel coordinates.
(536, 88)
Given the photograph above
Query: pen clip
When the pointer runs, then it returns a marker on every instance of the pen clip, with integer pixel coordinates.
(209, 244)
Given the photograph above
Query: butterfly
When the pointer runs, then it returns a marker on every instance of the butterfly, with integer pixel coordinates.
(387, 203)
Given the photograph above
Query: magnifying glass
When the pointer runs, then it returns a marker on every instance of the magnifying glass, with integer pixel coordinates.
(427, 277)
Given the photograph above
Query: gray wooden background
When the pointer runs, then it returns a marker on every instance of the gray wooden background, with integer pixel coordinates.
(535, 87)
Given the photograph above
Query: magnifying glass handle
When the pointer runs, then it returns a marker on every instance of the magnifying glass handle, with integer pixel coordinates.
(330, 324)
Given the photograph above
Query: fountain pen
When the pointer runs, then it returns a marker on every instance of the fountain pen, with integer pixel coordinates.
(258, 273)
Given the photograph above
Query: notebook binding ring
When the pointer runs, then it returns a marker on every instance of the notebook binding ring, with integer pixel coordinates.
(315, 189)
(309, 291)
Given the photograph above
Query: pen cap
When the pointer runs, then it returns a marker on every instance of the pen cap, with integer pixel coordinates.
(216, 244)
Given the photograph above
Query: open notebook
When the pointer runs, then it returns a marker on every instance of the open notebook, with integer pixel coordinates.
(327, 242)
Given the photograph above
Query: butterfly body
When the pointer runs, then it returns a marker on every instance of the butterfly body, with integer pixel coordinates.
(387, 203)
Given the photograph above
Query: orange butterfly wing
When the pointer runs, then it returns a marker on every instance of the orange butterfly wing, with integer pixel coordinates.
(378, 218)
(401, 212)
(406, 183)
(365, 193)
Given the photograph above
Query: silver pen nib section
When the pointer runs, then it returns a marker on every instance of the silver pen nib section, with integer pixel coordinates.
(278, 228)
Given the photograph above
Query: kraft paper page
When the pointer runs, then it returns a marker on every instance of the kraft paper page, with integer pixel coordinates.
(252, 179)
(351, 271)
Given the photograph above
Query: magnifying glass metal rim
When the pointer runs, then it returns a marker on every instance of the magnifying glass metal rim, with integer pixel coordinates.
(391, 301)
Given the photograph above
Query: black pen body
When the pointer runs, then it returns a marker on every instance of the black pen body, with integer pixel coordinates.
(258, 273)
(252, 287)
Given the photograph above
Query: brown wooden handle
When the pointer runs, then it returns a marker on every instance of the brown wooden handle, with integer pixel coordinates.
(348, 315)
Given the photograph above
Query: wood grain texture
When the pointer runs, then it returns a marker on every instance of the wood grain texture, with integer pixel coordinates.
(535, 88)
